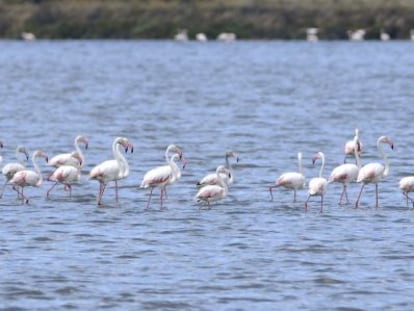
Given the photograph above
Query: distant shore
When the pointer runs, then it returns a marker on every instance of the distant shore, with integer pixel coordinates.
(246, 19)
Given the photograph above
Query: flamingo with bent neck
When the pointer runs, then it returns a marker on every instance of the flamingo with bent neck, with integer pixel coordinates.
(32, 178)
(112, 170)
(11, 168)
(211, 179)
(162, 176)
(215, 192)
(291, 180)
(317, 185)
(350, 145)
(373, 172)
(66, 158)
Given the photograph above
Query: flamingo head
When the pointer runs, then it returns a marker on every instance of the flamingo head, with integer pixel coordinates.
(85, 141)
(1, 144)
(233, 154)
(41, 154)
(24, 151)
(316, 156)
(125, 143)
(387, 140)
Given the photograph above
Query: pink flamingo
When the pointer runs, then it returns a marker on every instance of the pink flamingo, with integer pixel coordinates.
(11, 168)
(347, 173)
(112, 170)
(211, 179)
(162, 176)
(215, 192)
(317, 185)
(349, 148)
(66, 158)
(30, 178)
(374, 172)
(291, 180)
(406, 186)
(66, 175)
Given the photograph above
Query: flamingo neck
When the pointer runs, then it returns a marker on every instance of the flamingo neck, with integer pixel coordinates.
(221, 182)
(300, 163)
(37, 169)
(356, 153)
(19, 156)
(174, 167)
(384, 157)
(123, 164)
(322, 166)
(78, 149)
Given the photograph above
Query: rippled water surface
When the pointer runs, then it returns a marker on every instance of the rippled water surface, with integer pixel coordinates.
(267, 101)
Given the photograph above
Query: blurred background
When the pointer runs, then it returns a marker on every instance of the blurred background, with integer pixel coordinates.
(207, 19)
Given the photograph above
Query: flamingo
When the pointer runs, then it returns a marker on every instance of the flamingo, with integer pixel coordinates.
(26, 177)
(347, 172)
(66, 158)
(66, 175)
(211, 179)
(112, 170)
(162, 176)
(374, 172)
(406, 186)
(317, 185)
(215, 192)
(291, 180)
(11, 168)
(349, 148)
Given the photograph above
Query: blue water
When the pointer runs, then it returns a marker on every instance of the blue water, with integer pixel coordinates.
(267, 101)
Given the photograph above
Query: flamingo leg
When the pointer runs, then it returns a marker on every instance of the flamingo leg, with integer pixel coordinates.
(101, 192)
(3, 188)
(116, 190)
(359, 196)
(306, 203)
(161, 196)
(149, 198)
(70, 190)
(346, 193)
(53, 186)
(294, 195)
(376, 195)
(321, 203)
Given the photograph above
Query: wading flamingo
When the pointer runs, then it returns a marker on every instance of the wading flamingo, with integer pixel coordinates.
(406, 186)
(32, 178)
(346, 173)
(349, 148)
(216, 192)
(12, 168)
(317, 185)
(66, 175)
(372, 173)
(112, 170)
(162, 176)
(211, 179)
(291, 180)
(66, 158)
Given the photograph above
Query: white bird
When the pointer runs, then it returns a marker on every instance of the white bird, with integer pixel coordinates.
(32, 178)
(66, 158)
(11, 168)
(291, 180)
(406, 186)
(211, 179)
(347, 172)
(162, 176)
(317, 185)
(214, 192)
(349, 148)
(66, 175)
(112, 170)
(374, 172)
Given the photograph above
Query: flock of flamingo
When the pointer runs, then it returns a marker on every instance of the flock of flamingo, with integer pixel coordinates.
(213, 187)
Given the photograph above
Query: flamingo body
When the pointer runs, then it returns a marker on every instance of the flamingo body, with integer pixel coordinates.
(66, 175)
(228, 178)
(353, 146)
(216, 192)
(407, 186)
(67, 158)
(317, 185)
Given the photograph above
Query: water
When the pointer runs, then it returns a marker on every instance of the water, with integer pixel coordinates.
(266, 100)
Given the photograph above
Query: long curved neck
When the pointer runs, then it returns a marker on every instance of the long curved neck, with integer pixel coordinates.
(384, 157)
(37, 169)
(356, 151)
(221, 182)
(322, 166)
(300, 162)
(78, 149)
(174, 167)
(19, 156)
(123, 164)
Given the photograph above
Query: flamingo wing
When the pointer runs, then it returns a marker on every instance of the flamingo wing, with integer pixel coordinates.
(371, 173)
(210, 193)
(11, 168)
(158, 176)
(407, 184)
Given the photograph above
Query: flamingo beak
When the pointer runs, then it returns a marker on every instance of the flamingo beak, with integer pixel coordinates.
(183, 161)
(132, 147)
(237, 159)
(1, 144)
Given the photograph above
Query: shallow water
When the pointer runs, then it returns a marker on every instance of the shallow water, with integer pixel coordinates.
(267, 100)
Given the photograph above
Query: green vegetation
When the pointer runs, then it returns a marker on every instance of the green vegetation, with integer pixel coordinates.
(249, 19)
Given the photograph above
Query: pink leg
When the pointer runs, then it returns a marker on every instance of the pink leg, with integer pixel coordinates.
(149, 199)
(359, 196)
(306, 203)
(376, 195)
(294, 195)
(321, 203)
(116, 190)
(101, 192)
(53, 186)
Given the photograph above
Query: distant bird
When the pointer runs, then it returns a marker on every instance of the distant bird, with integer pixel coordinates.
(112, 170)
(349, 148)
(374, 172)
(32, 178)
(66, 158)
(66, 175)
(11, 168)
(291, 180)
(347, 172)
(211, 179)
(406, 186)
(162, 176)
(317, 185)
(216, 192)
